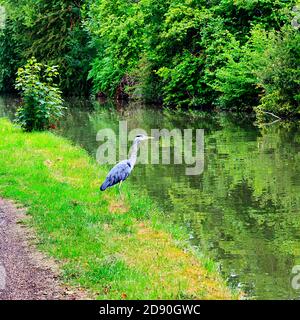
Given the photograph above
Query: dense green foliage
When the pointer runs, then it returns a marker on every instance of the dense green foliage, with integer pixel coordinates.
(267, 72)
(52, 32)
(41, 99)
(232, 54)
(280, 77)
(194, 53)
(9, 57)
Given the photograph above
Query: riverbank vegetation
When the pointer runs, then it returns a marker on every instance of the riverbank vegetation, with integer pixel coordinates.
(42, 104)
(114, 245)
(228, 54)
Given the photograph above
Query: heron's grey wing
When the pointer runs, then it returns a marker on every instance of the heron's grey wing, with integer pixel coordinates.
(118, 173)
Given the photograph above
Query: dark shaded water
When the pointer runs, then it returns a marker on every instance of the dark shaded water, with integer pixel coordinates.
(243, 210)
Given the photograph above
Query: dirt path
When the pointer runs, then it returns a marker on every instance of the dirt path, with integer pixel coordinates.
(25, 273)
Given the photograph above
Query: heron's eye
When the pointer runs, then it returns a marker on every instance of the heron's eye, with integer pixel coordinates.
(139, 136)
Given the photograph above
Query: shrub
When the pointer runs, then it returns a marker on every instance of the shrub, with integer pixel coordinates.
(264, 74)
(280, 77)
(41, 104)
(237, 81)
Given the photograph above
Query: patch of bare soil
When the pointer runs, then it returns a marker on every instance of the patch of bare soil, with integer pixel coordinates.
(25, 273)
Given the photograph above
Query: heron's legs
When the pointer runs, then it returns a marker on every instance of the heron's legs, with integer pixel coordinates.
(120, 184)
(119, 190)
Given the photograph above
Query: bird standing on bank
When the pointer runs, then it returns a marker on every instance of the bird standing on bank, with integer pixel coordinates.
(122, 170)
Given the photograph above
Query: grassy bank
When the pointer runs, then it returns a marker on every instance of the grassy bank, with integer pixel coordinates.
(117, 246)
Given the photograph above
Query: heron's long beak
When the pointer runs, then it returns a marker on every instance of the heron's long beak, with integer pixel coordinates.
(150, 137)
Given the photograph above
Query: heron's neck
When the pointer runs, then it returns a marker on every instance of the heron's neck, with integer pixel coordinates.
(133, 153)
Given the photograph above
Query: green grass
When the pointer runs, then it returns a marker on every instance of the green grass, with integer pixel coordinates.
(115, 246)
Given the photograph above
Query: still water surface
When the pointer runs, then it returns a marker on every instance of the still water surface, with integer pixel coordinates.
(243, 210)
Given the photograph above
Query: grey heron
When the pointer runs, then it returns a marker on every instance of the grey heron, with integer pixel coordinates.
(122, 170)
